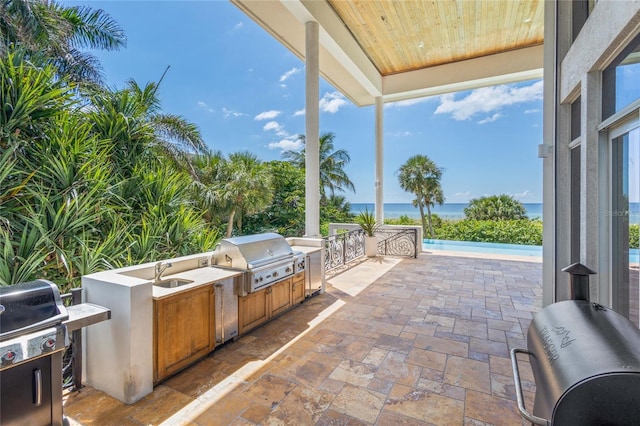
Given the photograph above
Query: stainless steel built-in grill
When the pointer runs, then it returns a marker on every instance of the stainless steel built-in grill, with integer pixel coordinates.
(32, 341)
(265, 259)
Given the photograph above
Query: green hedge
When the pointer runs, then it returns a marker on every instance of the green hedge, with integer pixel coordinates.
(634, 236)
(510, 232)
(522, 231)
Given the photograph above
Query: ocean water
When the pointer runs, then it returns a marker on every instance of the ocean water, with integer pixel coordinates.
(445, 211)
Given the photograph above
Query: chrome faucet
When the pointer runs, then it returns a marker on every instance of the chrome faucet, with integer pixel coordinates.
(160, 268)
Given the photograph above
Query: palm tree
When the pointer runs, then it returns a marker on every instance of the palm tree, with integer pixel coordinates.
(332, 175)
(55, 32)
(244, 186)
(207, 174)
(421, 176)
(131, 118)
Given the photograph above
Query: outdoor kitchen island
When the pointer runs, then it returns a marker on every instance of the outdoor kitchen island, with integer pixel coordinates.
(157, 330)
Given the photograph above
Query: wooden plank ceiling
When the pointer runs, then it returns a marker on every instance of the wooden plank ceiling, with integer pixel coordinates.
(406, 35)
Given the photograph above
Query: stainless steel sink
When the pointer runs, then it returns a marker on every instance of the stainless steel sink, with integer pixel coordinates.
(173, 283)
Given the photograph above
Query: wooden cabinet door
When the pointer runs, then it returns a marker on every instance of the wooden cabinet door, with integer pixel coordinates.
(297, 288)
(280, 296)
(184, 330)
(253, 310)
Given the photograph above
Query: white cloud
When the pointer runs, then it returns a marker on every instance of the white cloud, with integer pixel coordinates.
(531, 111)
(231, 113)
(292, 143)
(205, 106)
(299, 112)
(461, 196)
(331, 102)
(238, 26)
(272, 125)
(276, 127)
(267, 115)
(284, 77)
(525, 194)
(401, 133)
(487, 100)
(494, 117)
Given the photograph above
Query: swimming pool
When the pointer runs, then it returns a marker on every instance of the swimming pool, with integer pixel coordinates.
(498, 248)
(474, 247)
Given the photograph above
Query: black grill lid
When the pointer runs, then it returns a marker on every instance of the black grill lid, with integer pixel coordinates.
(29, 307)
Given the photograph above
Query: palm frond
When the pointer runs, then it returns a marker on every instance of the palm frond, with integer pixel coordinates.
(94, 29)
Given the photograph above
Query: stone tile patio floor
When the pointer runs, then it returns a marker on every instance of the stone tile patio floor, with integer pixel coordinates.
(392, 342)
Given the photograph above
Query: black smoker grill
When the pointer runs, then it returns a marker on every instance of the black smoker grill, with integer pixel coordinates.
(32, 341)
(585, 360)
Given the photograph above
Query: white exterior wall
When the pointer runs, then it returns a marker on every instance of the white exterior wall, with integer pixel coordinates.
(608, 30)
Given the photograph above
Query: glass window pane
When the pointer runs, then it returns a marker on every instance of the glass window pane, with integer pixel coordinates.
(628, 80)
(625, 218)
(575, 204)
(575, 118)
(622, 81)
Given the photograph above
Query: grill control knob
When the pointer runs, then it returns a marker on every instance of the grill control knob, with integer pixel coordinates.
(275, 274)
(8, 357)
(48, 344)
(256, 280)
(260, 279)
(288, 269)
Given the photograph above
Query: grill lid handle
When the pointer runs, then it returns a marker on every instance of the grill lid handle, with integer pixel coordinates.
(519, 395)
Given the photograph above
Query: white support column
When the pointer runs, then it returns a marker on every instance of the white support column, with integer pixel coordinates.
(589, 176)
(548, 162)
(379, 207)
(312, 126)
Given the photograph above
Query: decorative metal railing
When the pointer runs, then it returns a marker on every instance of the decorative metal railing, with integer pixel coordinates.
(72, 358)
(341, 249)
(397, 242)
(344, 248)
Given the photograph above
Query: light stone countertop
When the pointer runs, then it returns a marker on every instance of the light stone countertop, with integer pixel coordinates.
(306, 249)
(199, 276)
(209, 275)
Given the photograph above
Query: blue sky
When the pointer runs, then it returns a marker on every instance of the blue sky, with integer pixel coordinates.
(245, 91)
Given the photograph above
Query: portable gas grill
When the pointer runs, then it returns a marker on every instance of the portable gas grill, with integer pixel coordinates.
(32, 341)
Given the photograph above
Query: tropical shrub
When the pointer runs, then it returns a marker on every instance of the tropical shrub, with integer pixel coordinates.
(286, 213)
(522, 231)
(336, 209)
(367, 221)
(71, 202)
(634, 236)
(495, 207)
(404, 220)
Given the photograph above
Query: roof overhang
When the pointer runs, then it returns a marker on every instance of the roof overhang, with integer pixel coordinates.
(346, 66)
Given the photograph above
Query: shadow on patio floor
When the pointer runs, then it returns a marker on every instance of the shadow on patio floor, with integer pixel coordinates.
(415, 341)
